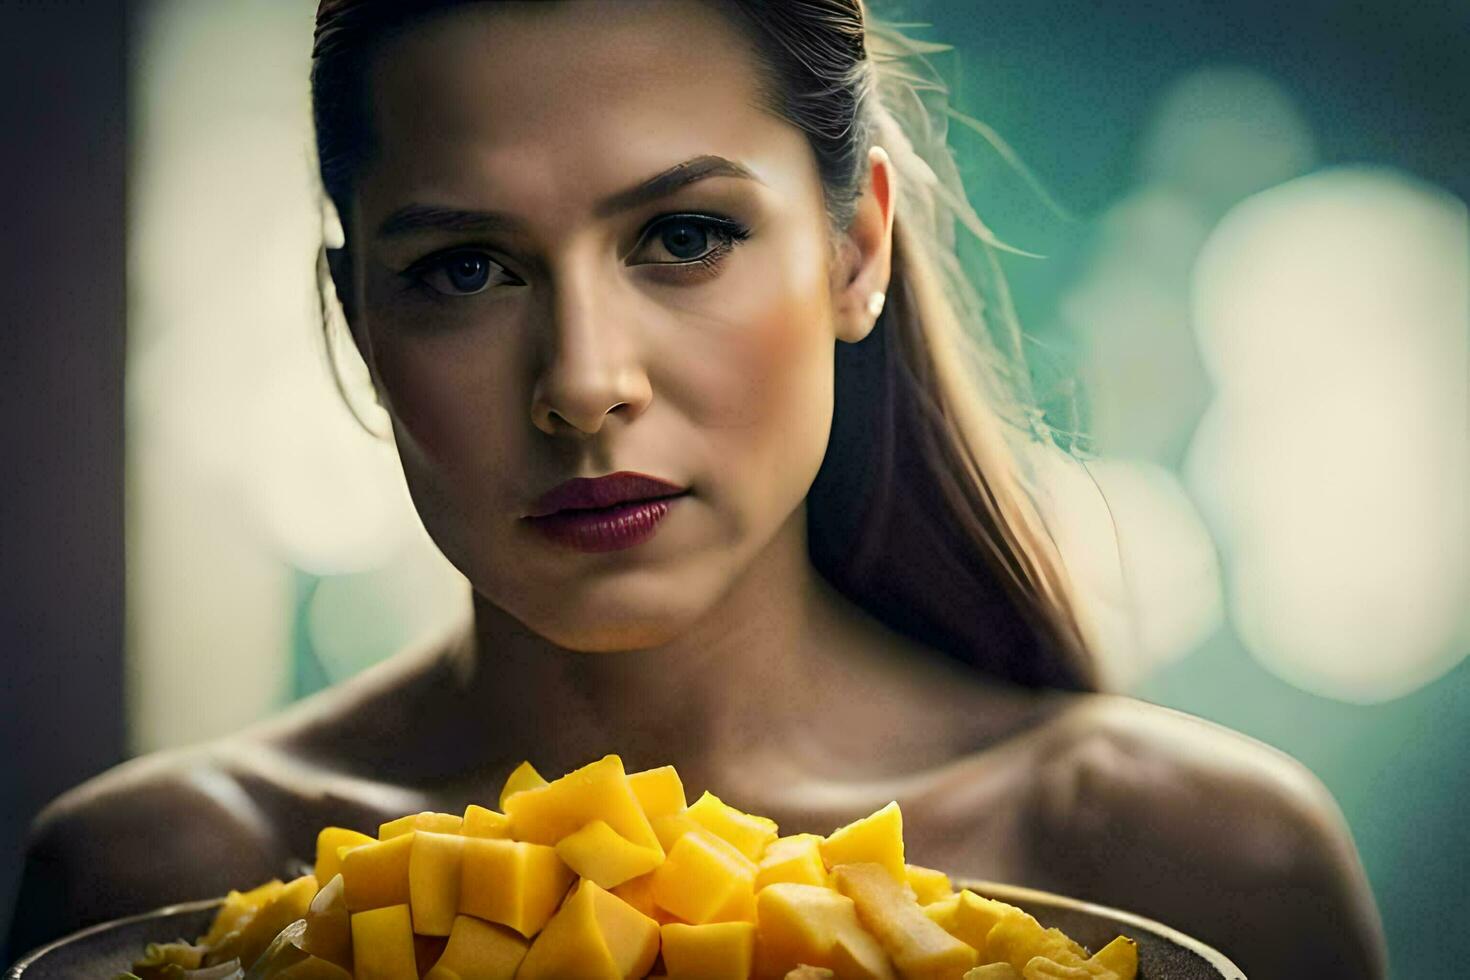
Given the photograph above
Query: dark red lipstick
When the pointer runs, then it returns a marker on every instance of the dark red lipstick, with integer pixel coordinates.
(607, 513)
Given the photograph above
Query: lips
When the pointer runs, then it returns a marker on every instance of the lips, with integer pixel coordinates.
(602, 492)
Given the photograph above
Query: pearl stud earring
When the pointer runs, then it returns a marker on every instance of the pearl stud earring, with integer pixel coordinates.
(875, 304)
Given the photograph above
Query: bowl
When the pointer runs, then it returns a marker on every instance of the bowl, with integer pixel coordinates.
(102, 951)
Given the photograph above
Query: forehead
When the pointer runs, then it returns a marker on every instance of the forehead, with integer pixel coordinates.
(567, 101)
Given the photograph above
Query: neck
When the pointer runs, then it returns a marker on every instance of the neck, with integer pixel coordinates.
(743, 680)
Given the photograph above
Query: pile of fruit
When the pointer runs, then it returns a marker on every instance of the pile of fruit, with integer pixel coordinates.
(606, 874)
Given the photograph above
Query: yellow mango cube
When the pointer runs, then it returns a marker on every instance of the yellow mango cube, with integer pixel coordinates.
(660, 791)
(328, 933)
(438, 823)
(797, 858)
(312, 968)
(1119, 956)
(1044, 968)
(289, 903)
(239, 908)
(375, 876)
(511, 882)
(433, 881)
(716, 951)
(917, 945)
(479, 951)
(877, 838)
(480, 822)
(855, 956)
(638, 892)
(1018, 939)
(594, 936)
(328, 842)
(597, 791)
(802, 925)
(943, 912)
(750, 834)
(602, 854)
(671, 826)
(704, 879)
(973, 918)
(382, 944)
(524, 777)
(928, 885)
(994, 971)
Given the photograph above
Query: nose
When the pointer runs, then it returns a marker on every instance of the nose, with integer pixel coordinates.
(590, 364)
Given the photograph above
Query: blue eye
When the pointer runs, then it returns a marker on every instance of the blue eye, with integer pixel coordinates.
(696, 240)
(458, 273)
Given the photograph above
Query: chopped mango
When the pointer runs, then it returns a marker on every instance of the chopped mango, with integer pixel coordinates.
(943, 912)
(439, 823)
(479, 951)
(715, 951)
(433, 881)
(239, 908)
(597, 791)
(375, 876)
(973, 918)
(289, 904)
(660, 791)
(593, 874)
(801, 924)
(594, 935)
(602, 854)
(877, 838)
(704, 879)
(512, 882)
(993, 971)
(917, 945)
(312, 968)
(638, 892)
(797, 858)
(1043, 968)
(671, 826)
(480, 822)
(382, 944)
(1018, 939)
(328, 933)
(749, 834)
(524, 777)
(1120, 956)
(928, 885)
(328, 842)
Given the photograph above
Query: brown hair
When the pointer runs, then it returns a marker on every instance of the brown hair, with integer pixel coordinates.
(918, 513)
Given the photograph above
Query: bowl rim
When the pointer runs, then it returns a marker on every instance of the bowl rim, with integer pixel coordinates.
(991, 889)
(1017, 893)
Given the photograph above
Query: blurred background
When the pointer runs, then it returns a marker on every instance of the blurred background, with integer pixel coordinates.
(1252, 322)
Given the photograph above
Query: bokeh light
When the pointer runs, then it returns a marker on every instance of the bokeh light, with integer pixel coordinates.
(1332, 318)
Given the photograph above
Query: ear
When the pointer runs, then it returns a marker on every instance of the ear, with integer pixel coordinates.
(863, 275)
(339, 263)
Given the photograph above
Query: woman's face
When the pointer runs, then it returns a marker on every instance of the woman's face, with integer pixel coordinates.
(528, 321)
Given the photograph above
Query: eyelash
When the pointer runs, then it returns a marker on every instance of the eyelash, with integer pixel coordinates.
(727, 233)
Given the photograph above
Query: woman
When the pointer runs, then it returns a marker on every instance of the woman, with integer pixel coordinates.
(658, 301)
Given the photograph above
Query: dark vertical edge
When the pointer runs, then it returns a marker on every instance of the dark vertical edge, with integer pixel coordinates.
(63, 173)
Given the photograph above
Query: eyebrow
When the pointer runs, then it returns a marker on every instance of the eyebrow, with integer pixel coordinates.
(427, 217)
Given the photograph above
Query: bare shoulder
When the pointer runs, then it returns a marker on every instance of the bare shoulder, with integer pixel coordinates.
(161, 829)
(1206, 829)
(193, 823)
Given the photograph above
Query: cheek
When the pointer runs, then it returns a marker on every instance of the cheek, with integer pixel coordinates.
(450, 395)
(761, 393)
